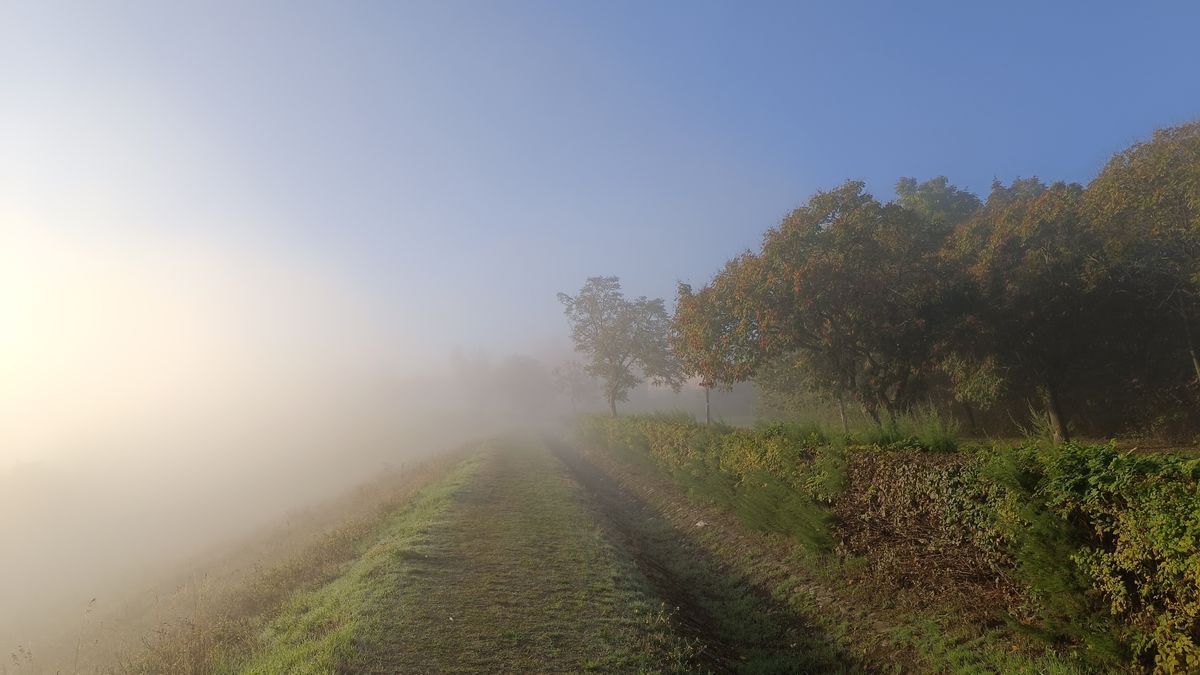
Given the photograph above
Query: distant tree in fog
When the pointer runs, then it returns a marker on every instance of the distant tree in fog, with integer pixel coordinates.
(625, 340)
(523, 384)
(573, 381)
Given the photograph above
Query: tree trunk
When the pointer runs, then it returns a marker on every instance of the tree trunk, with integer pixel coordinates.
(874, 415)
(612, 404)
(707, 406)
(1187, 332)
(970, 416)
(842, 412)
(1058, 421)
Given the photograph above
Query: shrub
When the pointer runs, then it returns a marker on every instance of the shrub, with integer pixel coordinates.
(1142, 519)
(1109, 544)
(1102, 546)
(923, 519)
(1058, 604)
(778, 478)
(922, 429)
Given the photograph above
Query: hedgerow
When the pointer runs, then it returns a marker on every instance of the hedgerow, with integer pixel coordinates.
(1085, 545)
(779, 478)
(1139, 517)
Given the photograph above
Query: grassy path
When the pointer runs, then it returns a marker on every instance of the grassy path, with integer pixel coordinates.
(518, 577)
(530, 559)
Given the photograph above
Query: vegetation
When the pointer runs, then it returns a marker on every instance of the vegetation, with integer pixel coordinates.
(1124, 527)
(1078, 301)
(1047, 308)
(744, 627)
(243, 626)
(519, 577)
(1052, 309)
(318, 631)
(864, 619)
(625, 340)
(1090, 548)
(495, 563)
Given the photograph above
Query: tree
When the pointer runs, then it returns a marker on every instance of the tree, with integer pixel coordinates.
(848, 292)
(937, 201)
(1145, 206)
(1082, 302)
(625, 340)
(708, 333)
(1043, 319)
(787, 383)
(861, 283)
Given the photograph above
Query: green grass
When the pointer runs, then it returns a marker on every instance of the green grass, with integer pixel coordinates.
(955, 650)
(319, 630)
(765, 635)
(211, 620)
(518, 560)
(748, 629)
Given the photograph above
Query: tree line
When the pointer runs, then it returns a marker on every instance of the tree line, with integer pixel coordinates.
(1061, 304)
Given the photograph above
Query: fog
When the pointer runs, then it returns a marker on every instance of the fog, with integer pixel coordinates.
(253, 255)
(162, 396)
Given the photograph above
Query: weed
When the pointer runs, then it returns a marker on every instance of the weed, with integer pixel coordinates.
(920, 429)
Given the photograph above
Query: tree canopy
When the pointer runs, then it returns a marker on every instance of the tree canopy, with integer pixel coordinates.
(1078, 303)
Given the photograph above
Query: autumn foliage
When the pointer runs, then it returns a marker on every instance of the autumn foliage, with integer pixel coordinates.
(1075, 304)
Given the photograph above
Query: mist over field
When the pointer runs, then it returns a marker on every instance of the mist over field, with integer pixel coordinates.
(166, 396)
(161, 397)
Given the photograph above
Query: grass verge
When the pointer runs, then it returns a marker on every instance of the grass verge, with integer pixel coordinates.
(835, 598)
(215, 621)
(320, 630)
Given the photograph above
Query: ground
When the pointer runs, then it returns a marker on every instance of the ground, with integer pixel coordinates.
(517, 576)
(529, 558)
(535, 556)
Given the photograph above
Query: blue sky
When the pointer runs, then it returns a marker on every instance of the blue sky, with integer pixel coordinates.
(454, 164)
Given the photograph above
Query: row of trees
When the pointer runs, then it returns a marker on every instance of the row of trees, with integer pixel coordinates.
(1075, 303)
